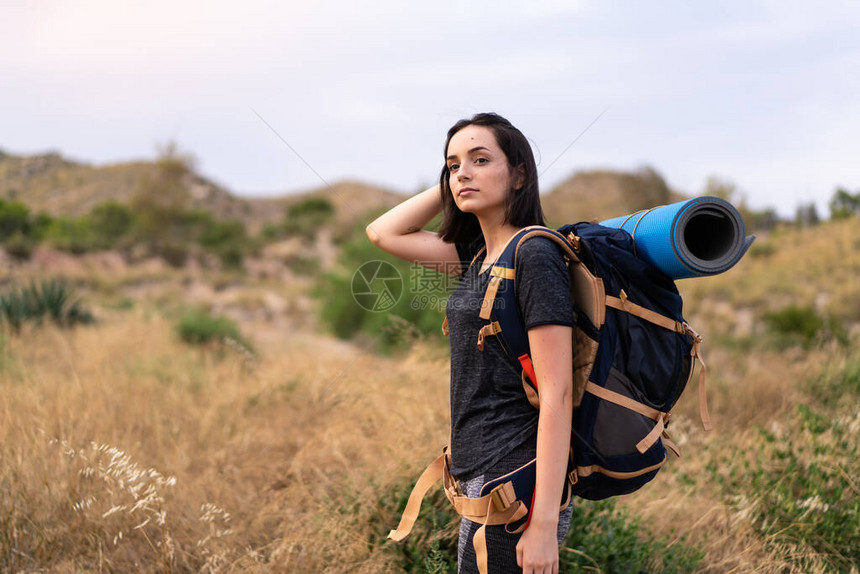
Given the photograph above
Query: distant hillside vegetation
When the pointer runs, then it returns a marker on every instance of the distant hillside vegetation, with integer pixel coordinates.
(61, 187)
(601, 194)
(351, 201)
(53, 184)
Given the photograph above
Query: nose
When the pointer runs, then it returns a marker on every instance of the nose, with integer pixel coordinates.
(464, 173)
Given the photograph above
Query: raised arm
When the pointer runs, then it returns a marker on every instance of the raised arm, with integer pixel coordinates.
(399, 232)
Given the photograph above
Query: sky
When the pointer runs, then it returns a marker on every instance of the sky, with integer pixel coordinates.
(274, 97)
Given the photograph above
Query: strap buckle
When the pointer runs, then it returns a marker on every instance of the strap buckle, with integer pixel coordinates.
(690, 331)
(501, 497)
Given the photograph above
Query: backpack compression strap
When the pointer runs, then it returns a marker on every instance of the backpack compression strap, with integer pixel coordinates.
(498, 507)
(622, 303)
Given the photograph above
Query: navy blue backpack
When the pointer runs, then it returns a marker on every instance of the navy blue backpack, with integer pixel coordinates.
(633, 354)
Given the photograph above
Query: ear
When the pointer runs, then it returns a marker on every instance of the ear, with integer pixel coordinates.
(519, 177)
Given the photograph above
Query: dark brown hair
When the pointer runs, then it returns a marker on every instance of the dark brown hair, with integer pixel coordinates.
(522, 206)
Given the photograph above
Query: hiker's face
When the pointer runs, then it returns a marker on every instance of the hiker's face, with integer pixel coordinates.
(480, 175)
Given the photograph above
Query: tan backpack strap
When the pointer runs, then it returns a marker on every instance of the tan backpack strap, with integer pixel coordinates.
(670, 444)
(531, 392)
(497, 275)
(696, 353)
(481, 250)
(703, 395)
(622, 303)
(658, 430)
(493, 328)
(623, 401)
(431, 475)
(660, 417)
(586, 471)
(503, 272)
(490, 296)
(516, 511)
(502, 499)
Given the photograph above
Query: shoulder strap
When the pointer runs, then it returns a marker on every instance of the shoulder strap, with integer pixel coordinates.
(500, 303)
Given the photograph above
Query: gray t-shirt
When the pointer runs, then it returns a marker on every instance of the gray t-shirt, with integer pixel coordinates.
(490, 414)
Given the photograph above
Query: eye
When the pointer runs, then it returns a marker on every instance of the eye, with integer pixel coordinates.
(453, 166)
(481, 160)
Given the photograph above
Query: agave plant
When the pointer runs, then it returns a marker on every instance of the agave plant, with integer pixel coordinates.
(15, 308)
(50, 298)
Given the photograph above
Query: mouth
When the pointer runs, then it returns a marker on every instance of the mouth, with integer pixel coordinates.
(465, 191)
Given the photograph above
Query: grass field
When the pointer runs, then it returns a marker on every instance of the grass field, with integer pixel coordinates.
(123, 449)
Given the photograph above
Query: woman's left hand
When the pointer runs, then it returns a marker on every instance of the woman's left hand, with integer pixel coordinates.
(537, 550)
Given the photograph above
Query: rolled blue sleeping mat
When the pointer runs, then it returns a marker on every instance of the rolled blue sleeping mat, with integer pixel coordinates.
(692, 238)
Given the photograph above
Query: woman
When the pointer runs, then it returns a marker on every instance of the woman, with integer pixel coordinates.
(488, 191)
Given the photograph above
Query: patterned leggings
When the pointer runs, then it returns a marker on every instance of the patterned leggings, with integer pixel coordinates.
(501, 546)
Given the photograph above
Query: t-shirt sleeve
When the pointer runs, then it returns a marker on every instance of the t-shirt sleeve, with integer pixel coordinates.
(543, 284)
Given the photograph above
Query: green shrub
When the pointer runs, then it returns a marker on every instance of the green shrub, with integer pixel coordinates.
(762, 249)
(231, 256)
(306, 216)
(844, 204)
(72, 234)
(271, 231)
(432, 544)
(19, 246)
(604, 536)
(200, 327)
(802, 325)
(110, 221)
(839, 385)
(227, 239)
(15, 309)
(800, 492)
(39, 226)
(801, 321)
(403, 301)
(14, 218)
(174, 253)
(302, 265)
(100, 229)
(179, 229)
(51, 298)
(216, 234)
(312, 208)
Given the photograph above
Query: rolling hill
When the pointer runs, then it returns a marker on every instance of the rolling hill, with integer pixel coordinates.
(601, 194)
(56, 185)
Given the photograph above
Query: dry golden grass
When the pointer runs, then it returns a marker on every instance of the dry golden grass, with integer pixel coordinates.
(124, 450)
(746, 391)
(231, 462)
(815, 266)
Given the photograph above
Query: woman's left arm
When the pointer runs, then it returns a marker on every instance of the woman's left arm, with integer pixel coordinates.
(551, 354)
